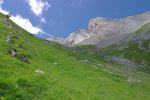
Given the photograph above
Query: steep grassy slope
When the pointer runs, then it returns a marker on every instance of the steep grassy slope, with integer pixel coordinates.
(135, 47)
(60, 73)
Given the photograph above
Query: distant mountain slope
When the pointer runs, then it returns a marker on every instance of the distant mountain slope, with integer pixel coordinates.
(103, 32)
(133, 50)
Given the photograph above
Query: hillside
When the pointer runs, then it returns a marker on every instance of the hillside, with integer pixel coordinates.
(35, 69)
(133, 50)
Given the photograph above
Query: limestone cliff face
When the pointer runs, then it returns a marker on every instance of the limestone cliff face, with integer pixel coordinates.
(101, 29)
(77, 37)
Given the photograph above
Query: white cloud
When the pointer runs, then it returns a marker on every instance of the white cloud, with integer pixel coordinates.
(1, 1)
(2, 10)
(22, 22)
(43, 20)
(26, 24)
(38, 6)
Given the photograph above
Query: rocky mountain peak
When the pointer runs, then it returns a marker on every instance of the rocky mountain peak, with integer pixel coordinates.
(101, 29)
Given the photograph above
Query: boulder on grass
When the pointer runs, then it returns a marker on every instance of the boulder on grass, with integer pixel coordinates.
(39, 72)
(13, 52)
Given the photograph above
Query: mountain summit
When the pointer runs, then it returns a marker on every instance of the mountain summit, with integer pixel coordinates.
(103, 32)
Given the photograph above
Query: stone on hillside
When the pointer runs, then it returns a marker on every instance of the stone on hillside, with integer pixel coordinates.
(39, 72)
(6, 21)
(131, 79)
(84, 60)
(8, 39)
(13, 52)
(24, 58)
(55, 63)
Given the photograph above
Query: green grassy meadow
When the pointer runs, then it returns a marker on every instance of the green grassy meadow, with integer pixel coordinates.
(67, 75)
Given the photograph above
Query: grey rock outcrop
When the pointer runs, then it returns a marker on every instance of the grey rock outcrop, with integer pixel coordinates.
(123, 61)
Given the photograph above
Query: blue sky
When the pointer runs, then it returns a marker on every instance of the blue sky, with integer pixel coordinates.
(61, 17)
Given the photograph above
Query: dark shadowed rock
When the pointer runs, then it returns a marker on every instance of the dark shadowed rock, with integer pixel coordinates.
(23, 58)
